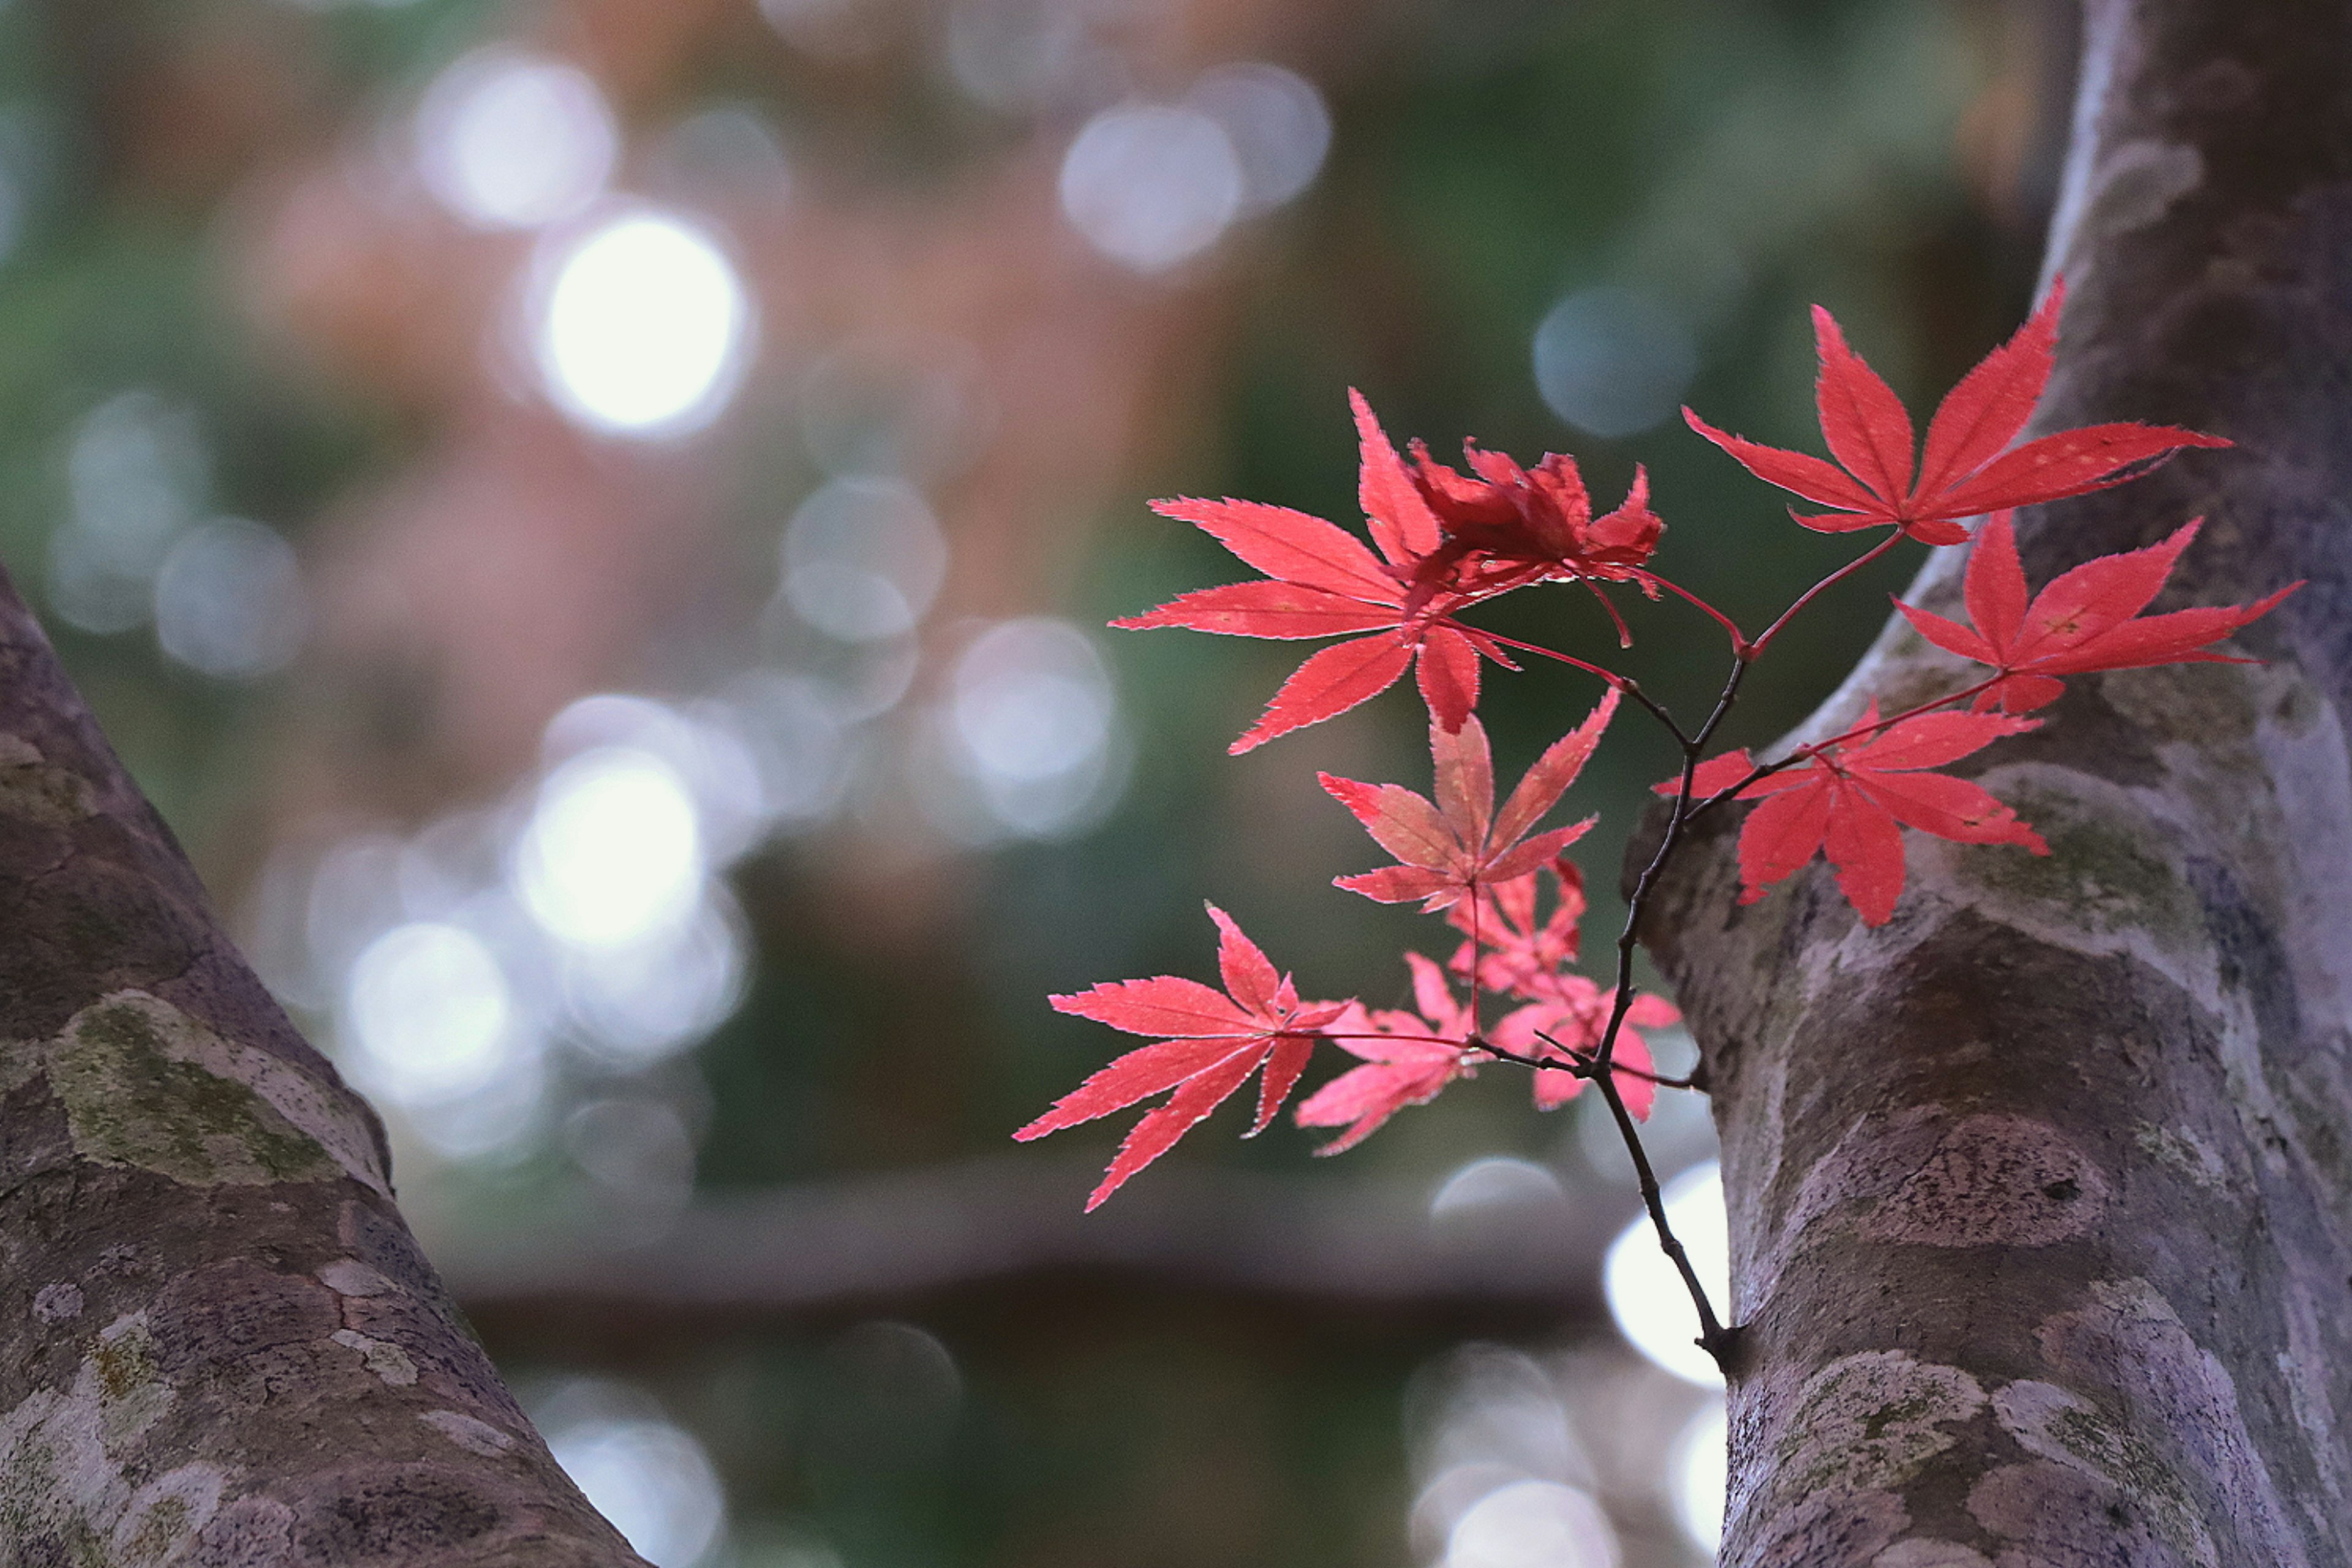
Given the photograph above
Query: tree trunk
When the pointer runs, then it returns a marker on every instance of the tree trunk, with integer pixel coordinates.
(220, 1346)
(2042, 1195)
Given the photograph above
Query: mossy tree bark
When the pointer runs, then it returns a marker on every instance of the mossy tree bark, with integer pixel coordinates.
(2042, 1195)
(220, 1346)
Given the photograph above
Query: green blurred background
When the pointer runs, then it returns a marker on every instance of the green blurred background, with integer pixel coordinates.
(593, 519)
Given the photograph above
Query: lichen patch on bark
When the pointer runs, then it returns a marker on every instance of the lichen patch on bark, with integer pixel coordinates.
(143, 1084)
(2062, 1426)
(2051, 1516)
(382, 1357)
(2137, 181)
(2009, 1180)
(474, 1436)
(350, 1276)
(2182, 1152)
(65, 1491)
(2128, 1339)
(1869, 1422)
(57, 1303)
(1846, 1527)
(34, 790)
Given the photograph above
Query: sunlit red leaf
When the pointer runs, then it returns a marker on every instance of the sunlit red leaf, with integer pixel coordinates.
(1966, 472)
(1331, 681)
(1216, 1039)
(1457, 843)
(1408, 1059)
(1850, 802)
(2082, 620)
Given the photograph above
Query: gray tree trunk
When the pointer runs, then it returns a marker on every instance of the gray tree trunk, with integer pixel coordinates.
(2042, 1195)
(220, 1346)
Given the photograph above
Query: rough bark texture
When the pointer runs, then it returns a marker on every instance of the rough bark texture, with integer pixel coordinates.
(219, 1345)
(2042, 1195)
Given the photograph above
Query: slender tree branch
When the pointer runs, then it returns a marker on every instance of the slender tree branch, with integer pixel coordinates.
(1625, 683)
(1740, 646)
(1807, 596)
(1714, 1338)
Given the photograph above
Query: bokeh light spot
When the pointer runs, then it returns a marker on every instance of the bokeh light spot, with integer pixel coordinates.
(1698, 1476)
(137, 470)
(648, 999)
(612, 853)
(1646, 1295)
(651, 1478)
(229, 600)
(430, 1011)
(1277, 122)
(1150, 185)
(1613, 362)
(1496, 1186)
(1031, 725)
(643, 327)
(1532, 1524)
(864, 557)
(510, 140)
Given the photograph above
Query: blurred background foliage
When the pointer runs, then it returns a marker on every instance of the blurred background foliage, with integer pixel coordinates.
(592, 519)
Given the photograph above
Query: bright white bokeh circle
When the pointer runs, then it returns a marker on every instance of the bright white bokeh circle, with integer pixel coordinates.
(1646, 1295)
(1698, 1476)
(642, 326)
(613, 854)
(1532, 1524)
(1150, 184)
(430, 1010)
(506, 138)
(651, 1480)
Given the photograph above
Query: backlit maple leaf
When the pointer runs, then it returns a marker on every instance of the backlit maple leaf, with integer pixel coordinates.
(1964, 470)
(1408, 1057)
(1210, 1042)
(1537, 522)
(1323, 582)
(1447, 848)
(1848, 801)
(2085, 620)
(1447, 541)
(1522, 953)
(1572, 1020)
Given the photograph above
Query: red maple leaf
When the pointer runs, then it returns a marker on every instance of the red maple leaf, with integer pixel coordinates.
(1447, 541)
(1323, 582)
(1848, 801)
(1408, 1059)
(1572, 1020)
(1535, 524)
(1210, 1042)
(2085, 620)
(1964, 470)
(1449, 847)
(1522, 954)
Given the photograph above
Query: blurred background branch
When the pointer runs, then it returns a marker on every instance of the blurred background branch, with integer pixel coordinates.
(1517, 1254)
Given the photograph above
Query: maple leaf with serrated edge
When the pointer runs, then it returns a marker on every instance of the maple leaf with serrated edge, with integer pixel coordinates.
(1447, 848)
(1968, 467)
(2082, 620)
(1323, 582)
(1210, 1042)
(1852, 801)
(1408, 1059)
(1572, 1018)
(1535, 523)
(1522, 954)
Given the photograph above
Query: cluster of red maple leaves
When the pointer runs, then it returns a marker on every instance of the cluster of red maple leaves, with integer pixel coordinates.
(1445, 540)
